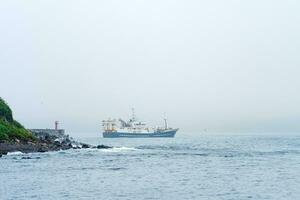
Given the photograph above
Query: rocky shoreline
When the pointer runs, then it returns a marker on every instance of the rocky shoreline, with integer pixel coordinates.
(14, 137)
(43, 146)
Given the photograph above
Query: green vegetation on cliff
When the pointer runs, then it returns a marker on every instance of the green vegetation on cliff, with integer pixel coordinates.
(10, 129)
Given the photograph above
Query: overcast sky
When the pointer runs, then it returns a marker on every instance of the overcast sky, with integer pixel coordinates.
(228, 66)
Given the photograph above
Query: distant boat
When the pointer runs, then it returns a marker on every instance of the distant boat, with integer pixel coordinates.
(134, 129)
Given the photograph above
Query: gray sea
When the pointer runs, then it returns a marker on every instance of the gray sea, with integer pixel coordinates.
(203, 167)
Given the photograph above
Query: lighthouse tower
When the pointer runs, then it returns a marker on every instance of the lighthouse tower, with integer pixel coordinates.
(56, 125)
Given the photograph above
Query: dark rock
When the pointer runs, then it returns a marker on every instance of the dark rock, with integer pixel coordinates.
(67, 140)
(26, 157)
(85, 146)
(64, 142)
(3, 153)
(41, 150)
(65, 147)
(30, 143)
(101, 146)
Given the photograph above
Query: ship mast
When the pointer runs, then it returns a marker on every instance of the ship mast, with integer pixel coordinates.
(166, 122)
(133, 115)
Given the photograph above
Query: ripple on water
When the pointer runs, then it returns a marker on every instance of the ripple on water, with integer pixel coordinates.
(204, 168)
(116, 168)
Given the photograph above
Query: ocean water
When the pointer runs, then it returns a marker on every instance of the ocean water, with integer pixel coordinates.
(203, 167)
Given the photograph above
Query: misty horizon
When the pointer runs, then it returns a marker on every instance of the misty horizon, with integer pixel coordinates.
(221, 66)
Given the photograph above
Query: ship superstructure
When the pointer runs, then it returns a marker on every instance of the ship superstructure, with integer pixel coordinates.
(135, 128)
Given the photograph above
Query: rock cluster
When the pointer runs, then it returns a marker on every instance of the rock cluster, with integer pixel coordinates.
(43, 145)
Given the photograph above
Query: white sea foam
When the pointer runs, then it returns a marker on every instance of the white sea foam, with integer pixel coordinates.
(14, 153)
(119, 149)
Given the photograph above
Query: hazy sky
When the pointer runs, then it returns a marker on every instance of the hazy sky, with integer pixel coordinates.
(219, 65)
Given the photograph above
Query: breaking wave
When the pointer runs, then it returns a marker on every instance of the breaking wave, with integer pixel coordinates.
(119, 149)
(14, 153)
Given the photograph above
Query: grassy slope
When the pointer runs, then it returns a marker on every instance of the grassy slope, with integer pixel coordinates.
(9, 128)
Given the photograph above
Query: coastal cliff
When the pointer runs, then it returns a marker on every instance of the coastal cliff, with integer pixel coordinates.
(10, 129)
